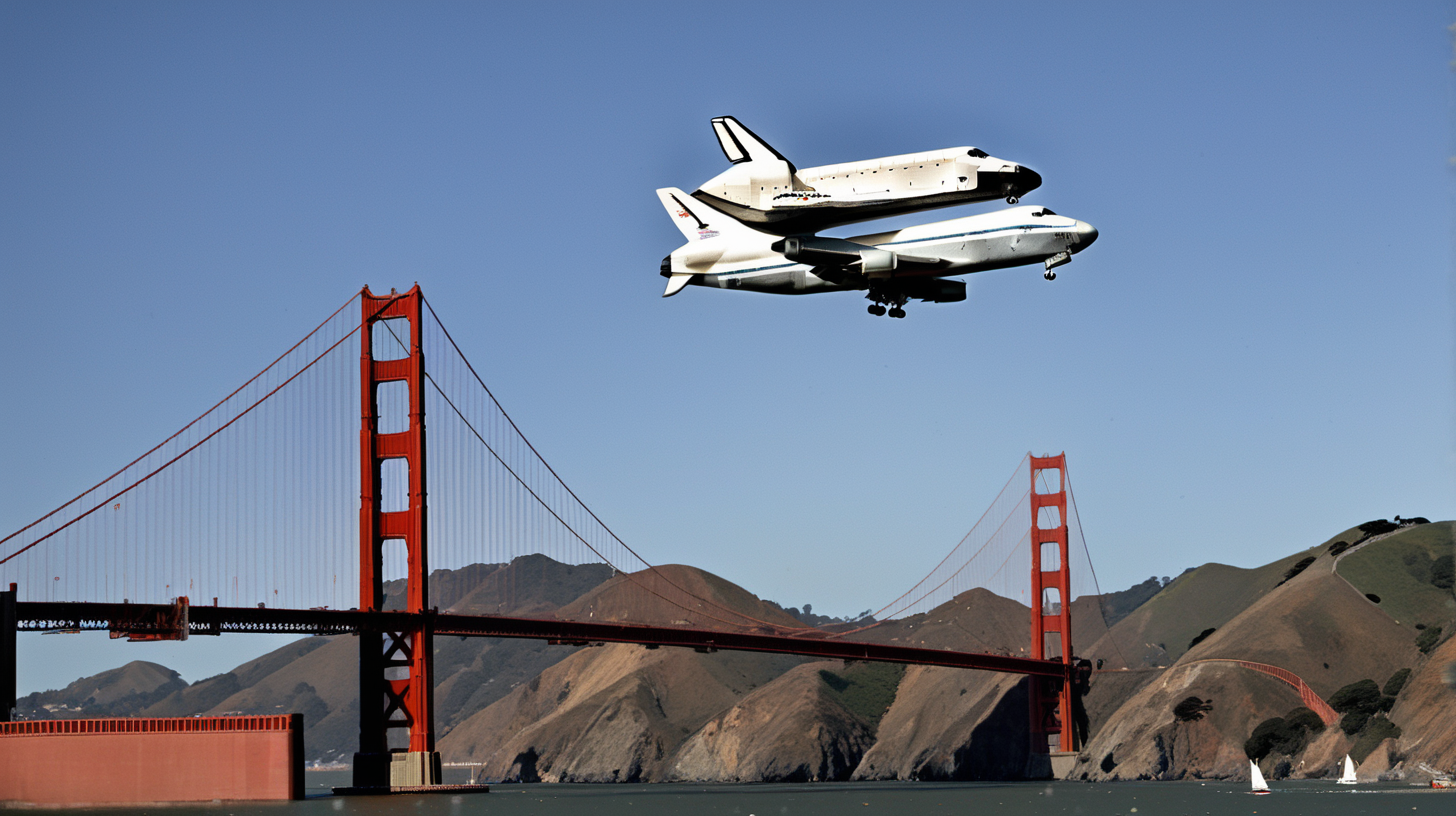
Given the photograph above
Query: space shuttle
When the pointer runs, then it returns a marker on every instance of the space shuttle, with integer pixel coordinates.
(765, 191)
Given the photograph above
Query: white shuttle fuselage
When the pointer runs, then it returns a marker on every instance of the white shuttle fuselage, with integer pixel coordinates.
(766, 191)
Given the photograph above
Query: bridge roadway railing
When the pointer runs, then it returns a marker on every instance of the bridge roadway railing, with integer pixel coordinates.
(168, 621)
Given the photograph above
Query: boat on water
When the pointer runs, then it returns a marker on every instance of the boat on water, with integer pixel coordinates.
(1348, 777)
(1256, 776)
(1443, 782)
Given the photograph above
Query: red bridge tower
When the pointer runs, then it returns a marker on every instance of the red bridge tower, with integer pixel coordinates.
(1051, 605)
(396, 677)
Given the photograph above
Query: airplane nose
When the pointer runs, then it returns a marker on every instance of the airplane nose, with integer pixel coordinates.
(1086, 234)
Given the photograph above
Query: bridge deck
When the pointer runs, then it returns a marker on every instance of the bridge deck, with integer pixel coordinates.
(156, 621)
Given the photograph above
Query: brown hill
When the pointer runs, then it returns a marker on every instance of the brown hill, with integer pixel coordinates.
(1426, 712)
(620, 713)
(1160, 631)
(677, 595)
(793, 729)
(951, 724)
(1315, 625)
(977, 620)
(119, 692)
(611, 714)
(319, 676)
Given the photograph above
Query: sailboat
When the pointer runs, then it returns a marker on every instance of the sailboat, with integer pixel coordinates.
(1348, 777)
(1257, 776)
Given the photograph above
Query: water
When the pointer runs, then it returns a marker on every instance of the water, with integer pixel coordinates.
(1300, 798)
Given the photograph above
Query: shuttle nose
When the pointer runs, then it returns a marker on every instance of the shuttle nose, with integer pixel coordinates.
(1027, 179)
(1086, 234)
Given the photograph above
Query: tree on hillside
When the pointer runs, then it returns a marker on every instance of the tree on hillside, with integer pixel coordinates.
(1443, 572)
(1428, 639)
(1191, 708)
(1201, 636)
(1283, 735)
(1300, 566)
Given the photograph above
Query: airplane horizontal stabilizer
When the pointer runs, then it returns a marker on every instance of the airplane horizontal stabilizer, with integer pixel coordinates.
(675, 284)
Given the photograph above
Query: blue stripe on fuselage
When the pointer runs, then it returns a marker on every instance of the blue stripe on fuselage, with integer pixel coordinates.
(908, 241)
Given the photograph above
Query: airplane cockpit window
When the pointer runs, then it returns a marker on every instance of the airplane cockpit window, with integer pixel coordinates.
(978, 153)
(1043, 211)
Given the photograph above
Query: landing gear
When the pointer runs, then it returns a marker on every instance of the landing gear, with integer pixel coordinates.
(895, 301)
(1013, 199)
(1055, 261)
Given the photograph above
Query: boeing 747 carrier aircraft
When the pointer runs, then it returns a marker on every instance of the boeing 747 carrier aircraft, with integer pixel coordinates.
(891, 267)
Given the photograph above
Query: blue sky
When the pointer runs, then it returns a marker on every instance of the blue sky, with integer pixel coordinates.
(1256, 354)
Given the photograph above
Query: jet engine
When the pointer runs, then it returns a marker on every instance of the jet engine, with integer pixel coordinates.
(936, 290)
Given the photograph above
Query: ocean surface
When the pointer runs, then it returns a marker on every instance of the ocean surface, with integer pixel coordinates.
(853, 799)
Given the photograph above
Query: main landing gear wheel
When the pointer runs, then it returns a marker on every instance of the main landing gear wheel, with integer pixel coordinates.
(876, 309)
(1012, 200)
(897, 312)
(1049, 275)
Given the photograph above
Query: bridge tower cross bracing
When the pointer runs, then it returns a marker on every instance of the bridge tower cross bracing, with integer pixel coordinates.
(396, 669)
(1051, 607)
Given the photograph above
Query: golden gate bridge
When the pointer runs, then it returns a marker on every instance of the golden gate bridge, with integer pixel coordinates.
(295, 501)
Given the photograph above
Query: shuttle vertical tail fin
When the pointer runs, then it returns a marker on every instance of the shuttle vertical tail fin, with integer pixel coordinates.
(741, 144)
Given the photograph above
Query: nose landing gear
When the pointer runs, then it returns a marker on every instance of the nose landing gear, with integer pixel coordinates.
(876, 309)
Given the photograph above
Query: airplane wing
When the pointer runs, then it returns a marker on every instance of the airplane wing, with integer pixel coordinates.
(838, 253)
(741, 144)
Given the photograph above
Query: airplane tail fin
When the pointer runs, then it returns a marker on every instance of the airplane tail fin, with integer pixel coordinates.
(741, 144)
(696, 220)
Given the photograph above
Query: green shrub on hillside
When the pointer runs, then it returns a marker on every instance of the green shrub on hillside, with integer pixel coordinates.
(1201, 636)
(1361, 695)
(1283, 735)
(1443, 572)
(1353, 721)
(1306, 719)
(1428, 639)
(1357, 702)
(866, 689)
(1339, 547)
(1376, 527)
(1191, 708)
(1397, 682)
(1299, 566)
(1378, 730)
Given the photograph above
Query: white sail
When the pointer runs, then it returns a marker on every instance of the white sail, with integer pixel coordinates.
(1258, 777)
(1348, 777)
